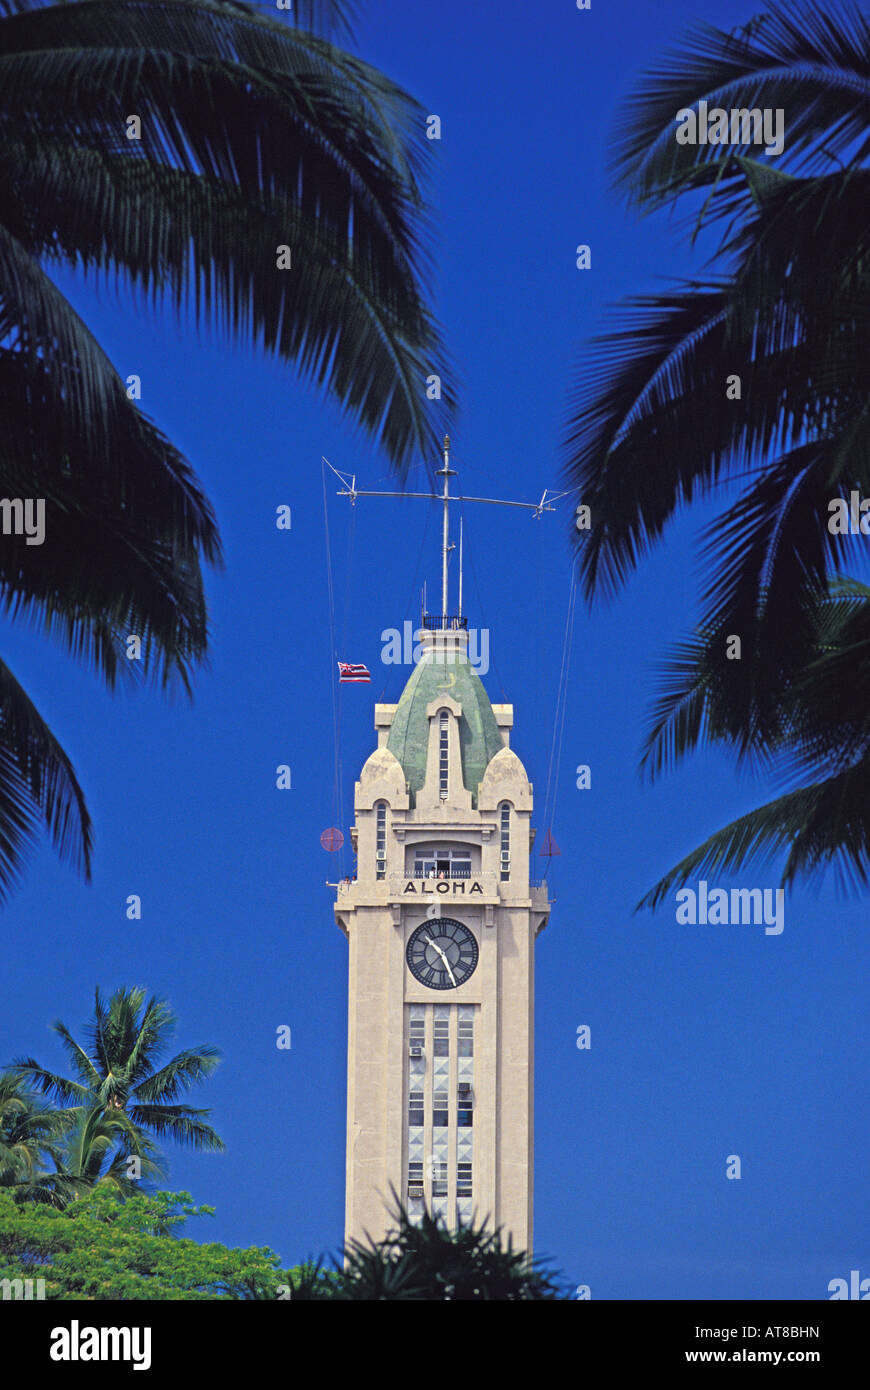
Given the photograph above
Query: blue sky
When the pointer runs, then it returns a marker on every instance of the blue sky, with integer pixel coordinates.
(706, 1041)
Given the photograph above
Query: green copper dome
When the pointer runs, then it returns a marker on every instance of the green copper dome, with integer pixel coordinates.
(479, 739)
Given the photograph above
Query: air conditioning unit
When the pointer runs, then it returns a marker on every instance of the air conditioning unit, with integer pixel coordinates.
(415, 1189)
(415, 1051)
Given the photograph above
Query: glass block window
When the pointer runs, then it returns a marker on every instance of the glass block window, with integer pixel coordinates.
(505, 840)
(439, 1177)
(463, 1180)
(443, 752)
(381, 840)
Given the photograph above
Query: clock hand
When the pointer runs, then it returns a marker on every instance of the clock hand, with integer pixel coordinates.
(444, 958)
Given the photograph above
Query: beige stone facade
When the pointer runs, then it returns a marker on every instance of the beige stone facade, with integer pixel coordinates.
(440, 1105)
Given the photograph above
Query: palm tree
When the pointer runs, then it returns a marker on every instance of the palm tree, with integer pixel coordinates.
(122, 1092)
(253, 135)
(429, 1262)
(661, 422)
(103, 1149)
(30, 1134)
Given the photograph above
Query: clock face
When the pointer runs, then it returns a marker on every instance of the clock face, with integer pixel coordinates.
(442, 953)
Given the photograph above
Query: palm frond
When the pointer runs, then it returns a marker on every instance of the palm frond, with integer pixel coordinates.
(185, 1070)
(824, 825)
(179, 1122)
(813, 62)
(38, 789)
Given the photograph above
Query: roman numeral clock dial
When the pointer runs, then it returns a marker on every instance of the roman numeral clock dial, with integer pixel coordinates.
(442, 953)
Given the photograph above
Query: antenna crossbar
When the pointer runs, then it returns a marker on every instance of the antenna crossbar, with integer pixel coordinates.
(351, 490)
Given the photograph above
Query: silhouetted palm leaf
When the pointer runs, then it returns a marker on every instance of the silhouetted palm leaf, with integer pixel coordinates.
(255, 134)
(653, 427)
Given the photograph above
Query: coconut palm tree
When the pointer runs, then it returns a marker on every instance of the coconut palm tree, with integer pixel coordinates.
(30, 1133)
(119, 1076)
(98, 1149)
(176, 146)
(747, 384)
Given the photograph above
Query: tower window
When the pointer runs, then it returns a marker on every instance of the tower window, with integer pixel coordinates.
(438, 861)
(463, 1179)
(415, 1108)
(505, 840)
(464, 1110)
(439, 1110)
(443, 750)
(441, 1037)
(381, 840)
(466, 1037)
(415, 1179)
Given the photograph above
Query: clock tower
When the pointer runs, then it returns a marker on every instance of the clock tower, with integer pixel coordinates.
(441, 921)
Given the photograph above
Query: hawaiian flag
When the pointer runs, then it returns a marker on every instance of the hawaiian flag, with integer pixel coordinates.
(351, 674)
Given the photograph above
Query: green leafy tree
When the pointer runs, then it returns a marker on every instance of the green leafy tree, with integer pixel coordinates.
(429, 1262)
(253, 134)
(102, 1248)
(654, 427)
(122, 1092)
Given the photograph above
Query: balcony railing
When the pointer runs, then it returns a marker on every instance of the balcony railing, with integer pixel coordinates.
(444, 622)
(454, 872)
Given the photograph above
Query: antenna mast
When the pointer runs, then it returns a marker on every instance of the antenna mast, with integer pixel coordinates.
(446, 473)
(445, 497)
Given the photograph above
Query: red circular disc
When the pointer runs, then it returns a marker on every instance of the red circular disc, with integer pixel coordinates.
(332, 839)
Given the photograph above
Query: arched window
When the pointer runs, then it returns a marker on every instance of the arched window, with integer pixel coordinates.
(505, 839)
(381, 840)
(443, 753)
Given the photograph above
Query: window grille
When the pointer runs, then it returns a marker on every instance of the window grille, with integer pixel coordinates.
(505, 840)
(443, 752)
